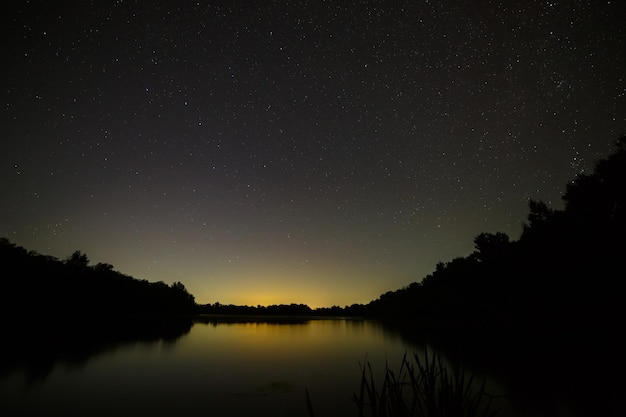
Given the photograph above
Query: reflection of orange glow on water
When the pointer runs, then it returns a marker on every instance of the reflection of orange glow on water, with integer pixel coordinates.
(276, 340)
(224, 368)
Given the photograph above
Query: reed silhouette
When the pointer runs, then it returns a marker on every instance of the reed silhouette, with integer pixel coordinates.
(422, 388)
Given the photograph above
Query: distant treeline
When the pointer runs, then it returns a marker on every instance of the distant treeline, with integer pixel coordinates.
(277, 310)
(567, 268)
(35, 285)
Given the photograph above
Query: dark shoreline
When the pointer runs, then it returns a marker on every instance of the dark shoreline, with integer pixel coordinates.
(249, 318)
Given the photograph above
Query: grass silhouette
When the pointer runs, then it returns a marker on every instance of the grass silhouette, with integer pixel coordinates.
(423, 388)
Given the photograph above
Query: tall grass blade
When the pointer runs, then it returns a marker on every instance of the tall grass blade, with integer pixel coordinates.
(425, 388)
(309, 404)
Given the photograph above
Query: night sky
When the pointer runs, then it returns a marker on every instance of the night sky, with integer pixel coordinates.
(317, 152)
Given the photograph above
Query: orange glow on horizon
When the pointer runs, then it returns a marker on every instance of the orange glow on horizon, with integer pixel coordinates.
(313, 288)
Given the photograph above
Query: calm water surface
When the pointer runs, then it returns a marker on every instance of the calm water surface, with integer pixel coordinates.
(214, 369)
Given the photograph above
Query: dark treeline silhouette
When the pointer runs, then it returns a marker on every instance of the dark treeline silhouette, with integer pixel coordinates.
(566, 269)
(64, 311)
(36, 285)
(544, 311)
(278, 310)
(43, 344)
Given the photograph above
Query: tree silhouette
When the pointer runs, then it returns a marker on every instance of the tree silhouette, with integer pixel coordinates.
(539, 214)
(566, 268)
(103, 267)
(77, 259)
(490, 245)
(37, 285)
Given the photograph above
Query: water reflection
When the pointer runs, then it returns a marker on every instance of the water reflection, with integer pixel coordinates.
(263, 367)
(233, 367)
(35, 351)
(563, 372)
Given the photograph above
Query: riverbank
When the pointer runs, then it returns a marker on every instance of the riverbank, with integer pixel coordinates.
(245, 318)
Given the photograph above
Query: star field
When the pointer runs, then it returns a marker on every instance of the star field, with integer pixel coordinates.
(316, 152)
